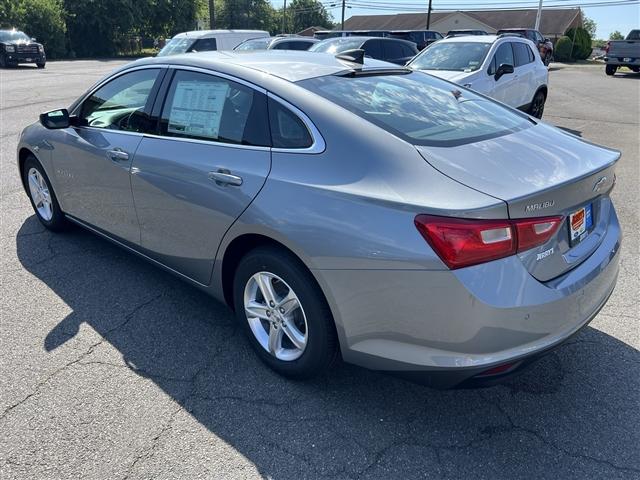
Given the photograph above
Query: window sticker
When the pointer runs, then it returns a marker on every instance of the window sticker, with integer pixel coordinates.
(197, 108)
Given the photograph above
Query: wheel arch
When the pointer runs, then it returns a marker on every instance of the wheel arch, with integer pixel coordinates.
(23, 154)
(541, 88)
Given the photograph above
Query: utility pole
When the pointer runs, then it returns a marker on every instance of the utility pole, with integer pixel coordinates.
(537, 27)
(284, 15)
(343, 7)
(429, 15)
(212, 14)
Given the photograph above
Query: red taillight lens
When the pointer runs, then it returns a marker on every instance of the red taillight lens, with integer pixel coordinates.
(535, 231)
(462, 243)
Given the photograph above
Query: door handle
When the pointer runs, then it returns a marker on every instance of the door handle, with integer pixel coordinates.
(224, 177)
(118, 155)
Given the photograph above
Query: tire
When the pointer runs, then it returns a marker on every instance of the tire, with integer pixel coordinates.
(3, 61)
(635, 69)
(610, 69)
(40, 65)
(537, 104)
(33, 175)
(310, 316)
(547, 59)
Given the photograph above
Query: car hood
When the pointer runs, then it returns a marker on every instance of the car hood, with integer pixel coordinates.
(9, 42)
(451, 75)
(538, 163)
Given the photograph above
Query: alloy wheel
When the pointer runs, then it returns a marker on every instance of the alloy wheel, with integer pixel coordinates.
(276, 316)
(40, 194)
(537, 106)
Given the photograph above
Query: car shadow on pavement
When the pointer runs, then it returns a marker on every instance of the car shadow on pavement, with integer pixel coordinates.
(574, 414)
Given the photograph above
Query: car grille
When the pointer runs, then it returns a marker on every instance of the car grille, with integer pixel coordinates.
(27, 49)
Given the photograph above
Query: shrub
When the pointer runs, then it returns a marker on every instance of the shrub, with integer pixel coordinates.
(562, 50)
(581, 43)
(44, 19)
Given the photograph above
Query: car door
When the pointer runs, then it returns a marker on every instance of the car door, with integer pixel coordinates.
(504, 88)
(92, 160)
(208, 161)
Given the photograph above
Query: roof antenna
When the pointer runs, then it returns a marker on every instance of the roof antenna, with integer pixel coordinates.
(354, 56)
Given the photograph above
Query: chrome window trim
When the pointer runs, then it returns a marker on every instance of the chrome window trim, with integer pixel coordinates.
(211, 143)
(113, 77)
(215, 73)
(318, 145)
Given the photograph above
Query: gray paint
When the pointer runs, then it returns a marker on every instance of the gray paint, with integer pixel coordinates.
(346, 210)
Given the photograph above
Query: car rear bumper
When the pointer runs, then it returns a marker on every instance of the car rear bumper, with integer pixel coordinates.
(621, 62)
(446, 327)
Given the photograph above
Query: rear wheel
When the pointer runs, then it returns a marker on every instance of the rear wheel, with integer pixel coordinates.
(610, 69)
(537, 105)
(547, 59)
(43, 199)
(284, 313)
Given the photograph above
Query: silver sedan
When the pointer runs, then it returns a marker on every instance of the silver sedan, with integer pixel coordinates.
(365, 211)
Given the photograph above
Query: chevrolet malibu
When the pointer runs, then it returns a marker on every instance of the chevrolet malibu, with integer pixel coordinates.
(365, 211)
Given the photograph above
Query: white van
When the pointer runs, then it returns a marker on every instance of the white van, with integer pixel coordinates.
(207, 40)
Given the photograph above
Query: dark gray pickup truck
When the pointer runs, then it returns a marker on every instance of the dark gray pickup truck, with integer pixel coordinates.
(623, 53)
(17, 47)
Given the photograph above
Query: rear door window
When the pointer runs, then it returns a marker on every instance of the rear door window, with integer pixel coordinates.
(522, 54)
(206, 107)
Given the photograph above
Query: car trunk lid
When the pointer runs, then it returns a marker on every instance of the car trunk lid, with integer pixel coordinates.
(539, 172)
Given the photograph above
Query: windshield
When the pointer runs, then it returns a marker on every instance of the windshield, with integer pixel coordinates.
(419, 108)
(13, 36)
(456, 56)
(337, 45)
(255, 44)
(176, 46)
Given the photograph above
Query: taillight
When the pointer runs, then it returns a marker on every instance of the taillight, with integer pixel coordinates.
(462, 243)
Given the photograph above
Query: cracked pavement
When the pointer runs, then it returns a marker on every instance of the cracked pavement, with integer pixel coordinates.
(113, 369)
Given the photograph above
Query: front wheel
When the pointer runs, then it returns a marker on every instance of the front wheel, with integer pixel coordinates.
(40, 65)
(537, 105)
(547, 59)
(43, 199)
(284, 313)
(3, 61)
(610, 69)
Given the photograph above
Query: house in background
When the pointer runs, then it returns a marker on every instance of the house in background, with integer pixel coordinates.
(309, 31)
(553, 23)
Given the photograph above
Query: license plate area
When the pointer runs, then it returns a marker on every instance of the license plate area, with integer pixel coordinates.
(580, 224)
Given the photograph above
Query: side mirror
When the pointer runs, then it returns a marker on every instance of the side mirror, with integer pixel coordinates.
(546, 40)
(503, 69)
(33, 39)
(55, 119)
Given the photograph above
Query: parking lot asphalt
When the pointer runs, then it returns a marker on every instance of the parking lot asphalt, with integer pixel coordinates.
(111, 368)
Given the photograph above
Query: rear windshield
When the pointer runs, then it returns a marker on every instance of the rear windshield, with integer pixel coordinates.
(255, 44)
(452, 56)
(337, 45)
(176, 46)
(419, 108)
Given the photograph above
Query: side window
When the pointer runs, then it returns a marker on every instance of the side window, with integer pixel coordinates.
(532, 56)
(504, 54)
(287, 130)
(407, 51)
(207, 107)
(283, 46)
(393, 50)
(538, 37)
(120, 104)
(373, 49)
(204, 45)
(522, 53)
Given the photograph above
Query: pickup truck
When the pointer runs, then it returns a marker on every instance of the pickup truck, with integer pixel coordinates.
(623, 53)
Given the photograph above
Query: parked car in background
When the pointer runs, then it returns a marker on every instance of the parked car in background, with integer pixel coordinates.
(17, 47)
(421, 38)
(545, 46)
(289, 42)
(387, 217)
(324, 34)
(208, 40)
(507, 68)
(461, 33)
(388, 49)
(623, 53)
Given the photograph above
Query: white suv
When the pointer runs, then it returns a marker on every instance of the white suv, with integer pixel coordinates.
(505, 67)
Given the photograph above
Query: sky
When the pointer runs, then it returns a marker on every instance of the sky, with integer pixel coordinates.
(608, 18)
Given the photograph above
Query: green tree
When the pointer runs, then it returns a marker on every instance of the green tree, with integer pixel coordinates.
(581, 43)
(590, 26)
(251, 14)
(616, 35)
(307, 13)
